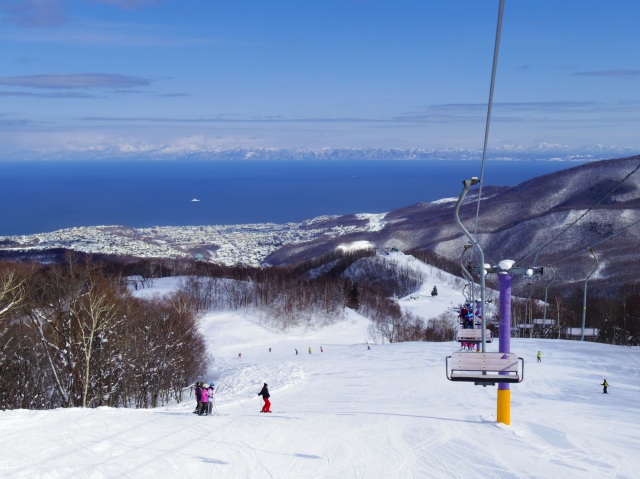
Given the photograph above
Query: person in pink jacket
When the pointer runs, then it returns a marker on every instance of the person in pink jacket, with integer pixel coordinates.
(204, 401)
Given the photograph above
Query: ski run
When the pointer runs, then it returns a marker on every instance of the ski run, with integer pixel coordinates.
(352, 412)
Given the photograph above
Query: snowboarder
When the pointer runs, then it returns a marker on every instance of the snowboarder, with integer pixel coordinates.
(296, 351)
(604, 385)
(321, 350)
(309, 349)
(239, 355)
(265, 395)
(269, 349)
(368, 346)
(539, 355)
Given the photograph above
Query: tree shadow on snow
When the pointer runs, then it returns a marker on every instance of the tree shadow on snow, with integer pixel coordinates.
(306, 456)
(208, 460)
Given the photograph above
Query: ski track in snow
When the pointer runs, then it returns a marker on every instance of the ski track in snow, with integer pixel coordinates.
(349, 412)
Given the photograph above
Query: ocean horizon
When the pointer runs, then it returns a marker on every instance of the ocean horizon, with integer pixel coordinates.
(44, 196)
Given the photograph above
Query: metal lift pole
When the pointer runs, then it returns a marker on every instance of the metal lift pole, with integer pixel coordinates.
(467, 185)
(468, 275)
(584, 301)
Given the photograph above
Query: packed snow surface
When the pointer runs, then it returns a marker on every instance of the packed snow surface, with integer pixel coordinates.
(351, 412)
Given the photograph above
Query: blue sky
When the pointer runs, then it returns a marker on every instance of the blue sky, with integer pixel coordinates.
(203, 74)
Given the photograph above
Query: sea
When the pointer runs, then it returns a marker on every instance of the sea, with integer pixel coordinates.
(44, 196)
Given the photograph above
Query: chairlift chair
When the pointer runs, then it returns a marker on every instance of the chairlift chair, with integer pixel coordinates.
(485, 369)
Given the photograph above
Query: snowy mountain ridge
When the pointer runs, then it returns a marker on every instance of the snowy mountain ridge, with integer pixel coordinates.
(556, 215)
(198, 151)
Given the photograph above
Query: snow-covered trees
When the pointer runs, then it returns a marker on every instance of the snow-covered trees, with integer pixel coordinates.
(78, 338)
(13, 289)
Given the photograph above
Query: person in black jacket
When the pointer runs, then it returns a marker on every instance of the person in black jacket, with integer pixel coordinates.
(265, 395)
(198, 391)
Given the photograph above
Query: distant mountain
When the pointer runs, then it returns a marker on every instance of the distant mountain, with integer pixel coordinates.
(515, 221)
(549, 152)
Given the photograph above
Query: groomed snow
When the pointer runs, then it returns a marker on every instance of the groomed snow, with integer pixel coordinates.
(349, 412)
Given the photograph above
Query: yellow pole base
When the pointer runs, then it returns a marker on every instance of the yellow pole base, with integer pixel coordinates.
(504, 406)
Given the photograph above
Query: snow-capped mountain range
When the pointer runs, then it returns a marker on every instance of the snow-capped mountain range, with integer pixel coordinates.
(196, 151)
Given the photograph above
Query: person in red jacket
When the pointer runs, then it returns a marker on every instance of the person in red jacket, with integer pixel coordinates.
(265, 395)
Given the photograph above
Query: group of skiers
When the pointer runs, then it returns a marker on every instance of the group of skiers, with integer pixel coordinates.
(204, 395)
(204, 398)
(467, 346)
(296, 350)
(466, 321)
(466, 316)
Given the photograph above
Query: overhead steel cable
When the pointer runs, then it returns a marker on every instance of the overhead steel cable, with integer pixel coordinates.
(595, 244)
(608, 193)
(496, 49)
(476, 247)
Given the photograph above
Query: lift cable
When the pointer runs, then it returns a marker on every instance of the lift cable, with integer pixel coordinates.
(538, 250)
(595, 244)
(496, 49)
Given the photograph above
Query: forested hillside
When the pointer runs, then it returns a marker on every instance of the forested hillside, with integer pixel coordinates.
(73, 334)
(552, 219)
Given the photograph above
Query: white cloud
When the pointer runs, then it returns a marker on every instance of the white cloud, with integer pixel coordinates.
(33, 13)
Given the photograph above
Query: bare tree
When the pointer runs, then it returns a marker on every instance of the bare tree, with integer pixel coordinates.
(13, 291)
(95, 311)
(51, 293)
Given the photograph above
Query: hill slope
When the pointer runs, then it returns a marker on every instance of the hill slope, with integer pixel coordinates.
(515, 221)
(349, 412)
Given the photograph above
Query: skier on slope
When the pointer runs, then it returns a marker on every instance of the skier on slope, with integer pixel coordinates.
(604, 385)
(265, 395)
(198, 393)
(210, 392)
(204, 400)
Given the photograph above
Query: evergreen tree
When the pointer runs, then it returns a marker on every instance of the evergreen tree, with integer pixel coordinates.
(353, 296)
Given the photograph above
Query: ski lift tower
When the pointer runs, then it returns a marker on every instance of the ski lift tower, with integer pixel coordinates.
(506, 269)
(501, 364)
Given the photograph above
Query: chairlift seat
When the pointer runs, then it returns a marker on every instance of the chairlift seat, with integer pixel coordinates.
(485, 368)
(473, 335)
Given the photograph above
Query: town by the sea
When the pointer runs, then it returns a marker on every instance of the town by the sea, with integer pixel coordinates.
(43, 196)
